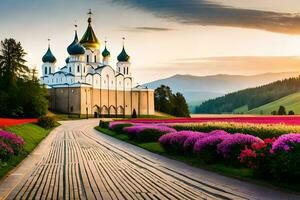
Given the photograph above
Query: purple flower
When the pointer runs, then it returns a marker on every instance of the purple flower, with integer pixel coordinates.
(237, 139)
(115, 123)
(137, 128)
(283, 142)
(210, 141)
(189, 143)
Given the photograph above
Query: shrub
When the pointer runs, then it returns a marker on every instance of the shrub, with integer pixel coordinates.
(258, 157)
(149, 135)
(103, 124)
(14, 141)
(46, 122)
(5, 151)
(189, 143)
(286, 161)
(119, 128)
(173, 142)
(206, 147)
(134, 115)
(138, 128)
(231, 147)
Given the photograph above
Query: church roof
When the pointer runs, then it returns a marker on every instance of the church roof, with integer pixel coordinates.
(89, 39)
(75, 48)
(123, 56)
(49, 57)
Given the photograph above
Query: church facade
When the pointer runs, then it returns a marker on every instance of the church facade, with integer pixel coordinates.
(89, 85)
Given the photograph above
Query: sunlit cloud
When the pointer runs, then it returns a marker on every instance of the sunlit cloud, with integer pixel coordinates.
(203, 12)
(146, 29)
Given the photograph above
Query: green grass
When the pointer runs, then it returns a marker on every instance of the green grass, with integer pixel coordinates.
(290, 102)
(244, 174)
(241, 110)
(32, 135)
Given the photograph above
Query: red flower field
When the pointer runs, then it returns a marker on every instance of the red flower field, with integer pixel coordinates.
(287, 120)
(11, 122)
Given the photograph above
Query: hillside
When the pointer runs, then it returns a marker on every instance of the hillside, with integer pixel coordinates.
(197, 89)
(290, 102)
(251, 98)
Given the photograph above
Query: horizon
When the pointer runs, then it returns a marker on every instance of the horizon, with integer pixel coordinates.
(188, 43)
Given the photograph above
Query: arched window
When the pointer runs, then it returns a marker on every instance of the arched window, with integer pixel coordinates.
(49, 70)
(127, 70)
(84, 69)
(95, 58)
(124, 70)
(46, 70)
(78, 69)
(87, 58)
(70, 69)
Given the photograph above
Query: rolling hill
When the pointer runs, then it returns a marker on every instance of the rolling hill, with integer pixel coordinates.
(197, 89)
(268, 96)
(290, 102)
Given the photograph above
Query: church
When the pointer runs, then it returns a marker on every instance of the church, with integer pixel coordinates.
(89, 85)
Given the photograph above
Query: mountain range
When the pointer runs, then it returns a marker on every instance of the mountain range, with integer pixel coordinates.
(197, 89)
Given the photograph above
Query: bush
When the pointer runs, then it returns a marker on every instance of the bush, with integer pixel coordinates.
(103, 124)
(46, 122)
(118, 128)
(134, 115)
(14, 141)
(286, 158)
(291, 112)
(258, 158)
(149, 135)
(230, 148)
(5, 151)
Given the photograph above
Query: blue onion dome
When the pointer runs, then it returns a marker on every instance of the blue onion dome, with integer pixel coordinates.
(49, 57)
(105, 52)
(123, 56)
(67, 60)
(75, 48)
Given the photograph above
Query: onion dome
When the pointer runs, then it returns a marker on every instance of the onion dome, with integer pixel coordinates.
(49, 57)
(67, 60)
(105, 52)
(123, 57)
(75, 48)
(89, 39)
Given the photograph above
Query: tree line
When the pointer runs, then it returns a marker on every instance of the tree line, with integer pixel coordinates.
(253, 97)
(167, 102)
(21, 95)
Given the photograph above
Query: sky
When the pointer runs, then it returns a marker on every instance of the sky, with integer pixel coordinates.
(165, 37)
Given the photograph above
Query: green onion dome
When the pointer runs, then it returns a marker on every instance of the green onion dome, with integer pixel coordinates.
(67, 60)
(49, 57)
(75, 48)
(123, 57)
(105, 52)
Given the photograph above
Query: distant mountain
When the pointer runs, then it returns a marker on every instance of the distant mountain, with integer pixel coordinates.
(253, 98)
(197, 89)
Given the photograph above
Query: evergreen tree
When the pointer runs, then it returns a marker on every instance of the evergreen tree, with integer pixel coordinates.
(281, 110)
(181, 108)
(12, 62)
(291, 112)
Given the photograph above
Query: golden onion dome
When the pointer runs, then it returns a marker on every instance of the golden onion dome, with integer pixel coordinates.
(89, 39)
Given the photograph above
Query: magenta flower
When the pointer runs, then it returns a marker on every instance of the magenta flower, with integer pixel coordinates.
(12, 140)
(115, 123)
(284, 141)
(137, 128)
(231, 142)
(189, 143)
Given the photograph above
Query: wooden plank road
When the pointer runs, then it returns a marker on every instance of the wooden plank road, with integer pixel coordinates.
(82, 164)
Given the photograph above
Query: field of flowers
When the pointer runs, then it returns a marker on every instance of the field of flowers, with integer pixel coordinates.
(276, 157)
(4, 122)
(286, 120)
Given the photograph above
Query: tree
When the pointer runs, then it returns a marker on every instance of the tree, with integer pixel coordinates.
(181, 108)
(21, 95)
(12, 62)
(274, 112)
(291, 112)
(165, 101)
(281, 110)
(134, 115)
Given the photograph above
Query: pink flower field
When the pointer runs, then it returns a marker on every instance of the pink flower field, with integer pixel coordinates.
(287, 120)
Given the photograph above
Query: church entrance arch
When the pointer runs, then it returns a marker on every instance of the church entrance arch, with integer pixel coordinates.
(120, 112)
(104, 111)
(96, 111)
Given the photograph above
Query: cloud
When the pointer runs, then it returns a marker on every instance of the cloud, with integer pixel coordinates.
(146, 29)
(203, 12)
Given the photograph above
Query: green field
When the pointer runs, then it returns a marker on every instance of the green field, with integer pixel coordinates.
(290, 102)
(32, 135)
